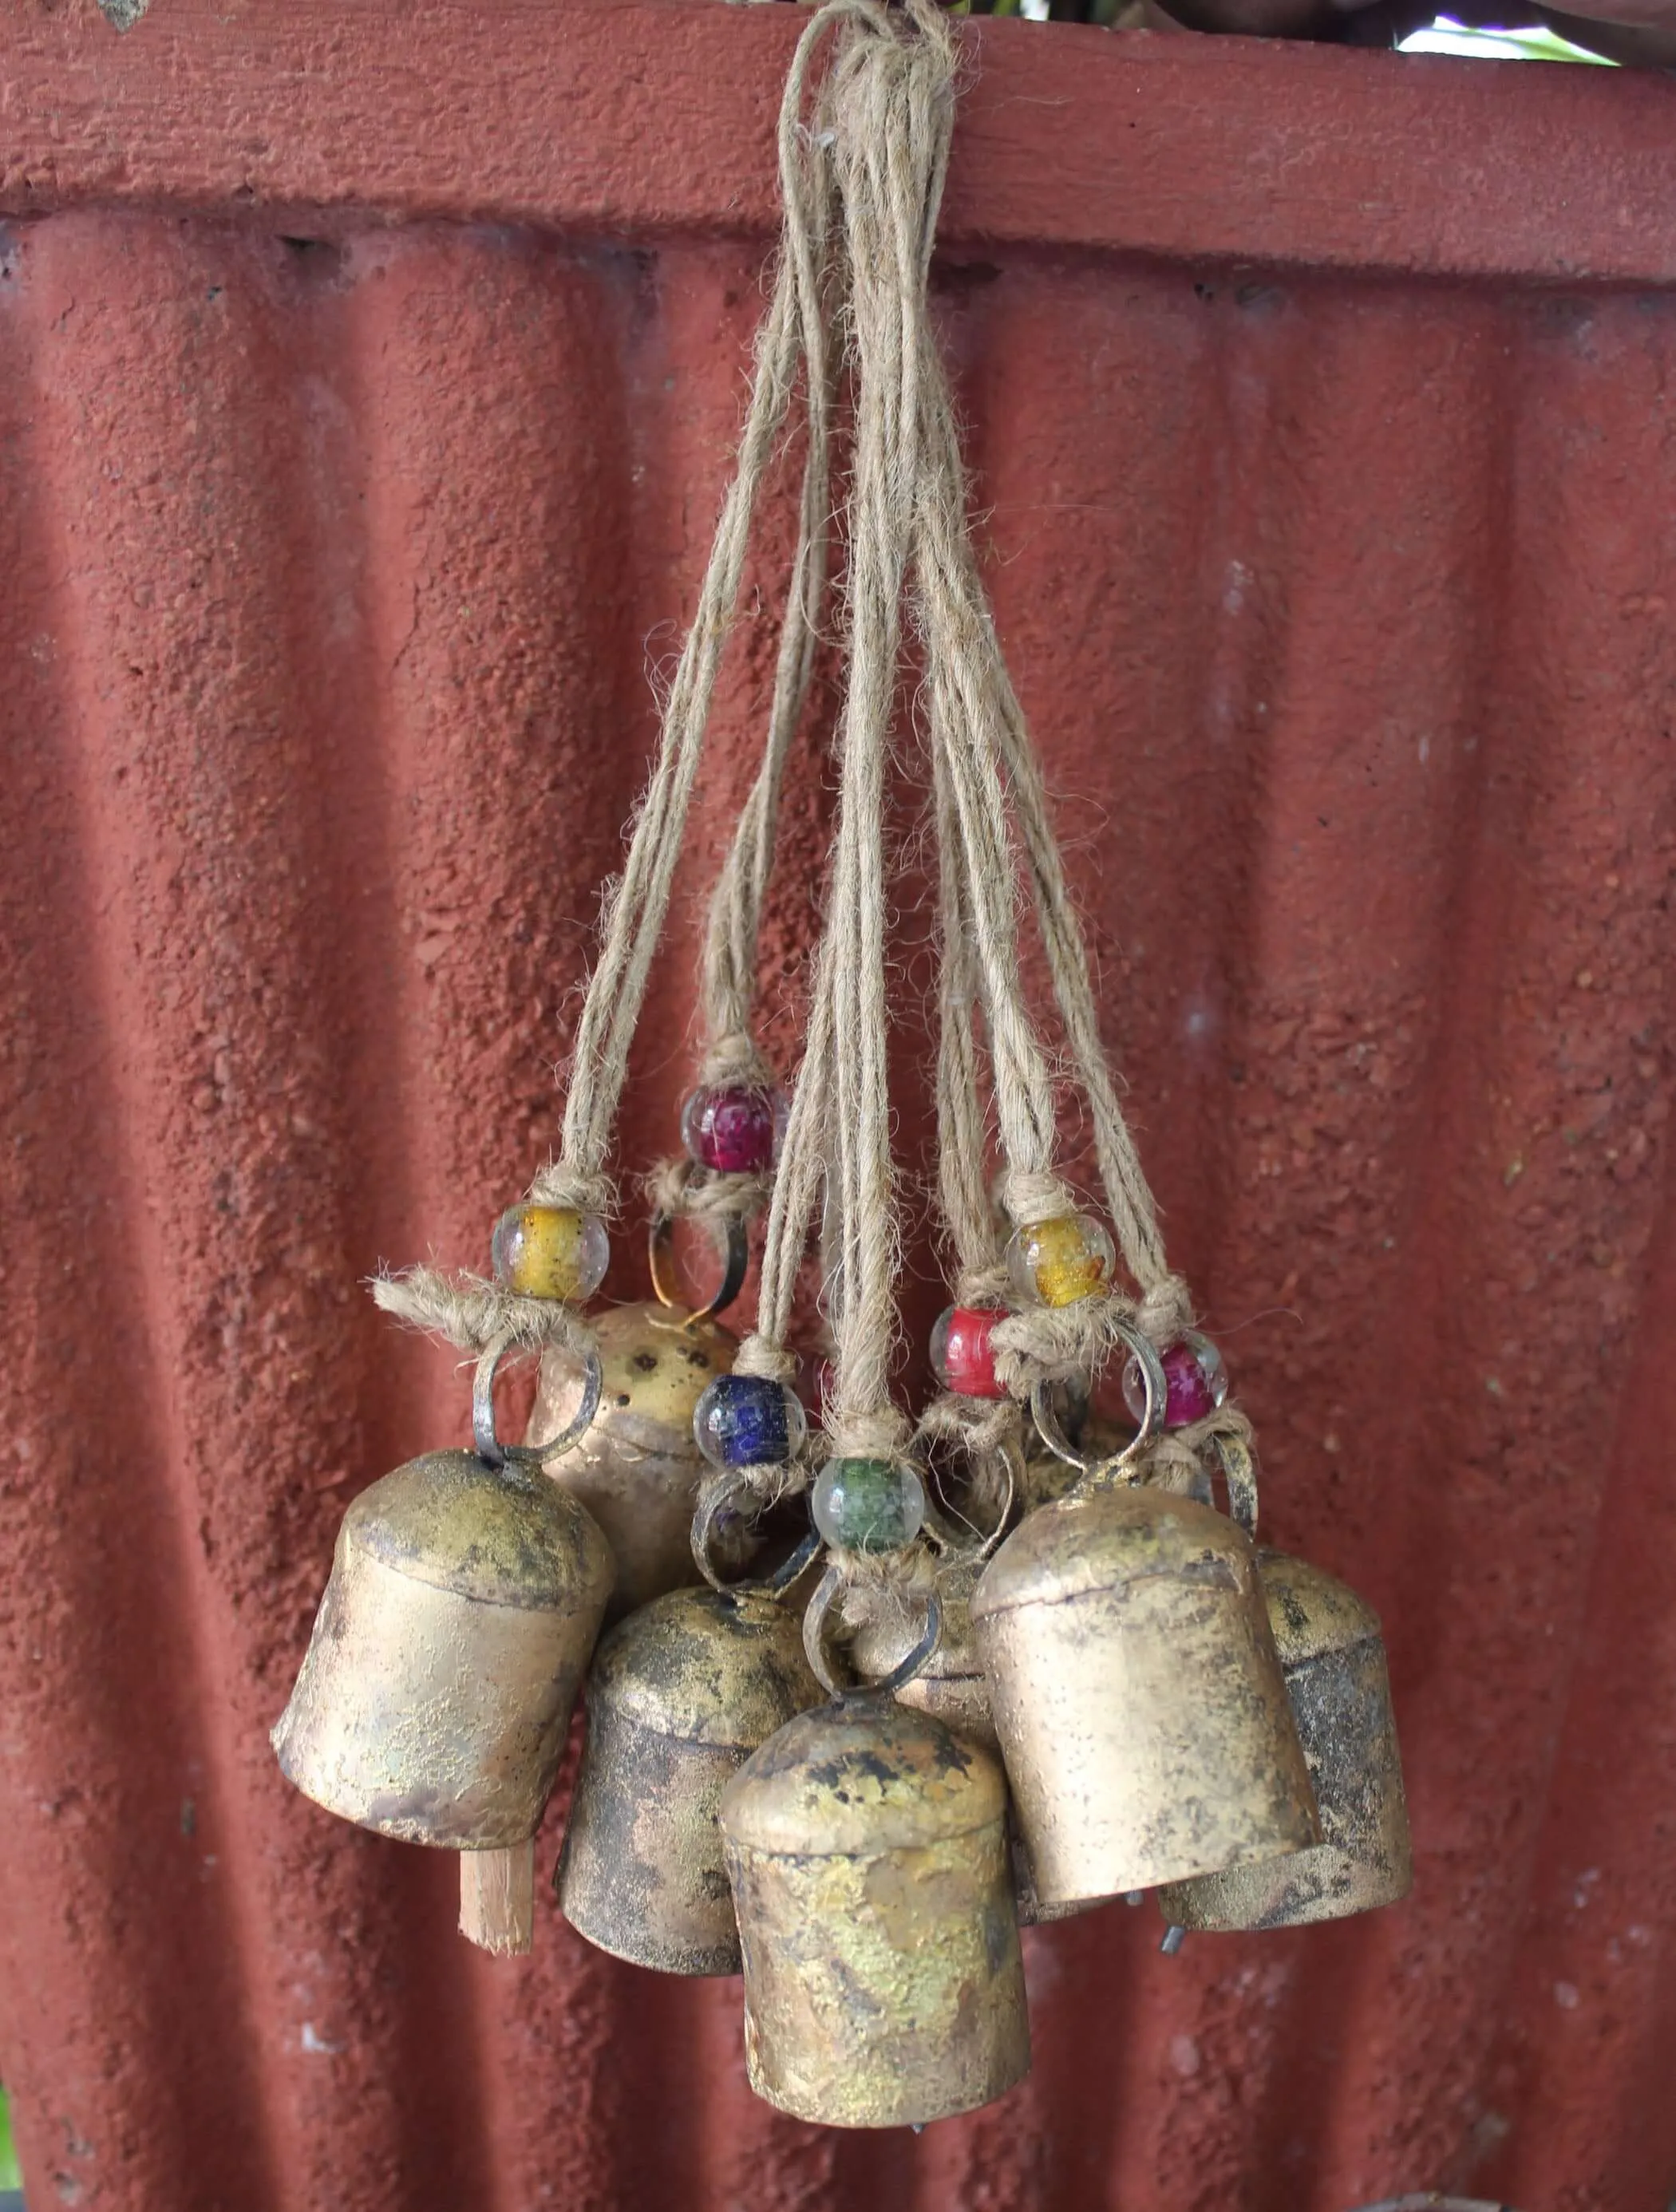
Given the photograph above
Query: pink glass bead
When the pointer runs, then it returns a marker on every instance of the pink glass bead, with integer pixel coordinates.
(962, 1353)
(732, 1127)
(1195, 1381)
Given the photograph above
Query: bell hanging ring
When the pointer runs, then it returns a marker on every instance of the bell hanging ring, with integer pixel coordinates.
(679, 1695)
(1135, 1686)
(636, 1467)
(435, 1696)
(1333, 1656)
(866, 1845)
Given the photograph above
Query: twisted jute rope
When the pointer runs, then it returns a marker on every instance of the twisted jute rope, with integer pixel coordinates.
(465, 1309)
(885, 112)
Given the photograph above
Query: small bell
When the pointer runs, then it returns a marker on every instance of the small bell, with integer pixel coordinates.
(866, 1845)
(435, 1695)
(637, 1468)
(678, 1696)
(1333, 1658)
(952, 1688)
(1136, 1694)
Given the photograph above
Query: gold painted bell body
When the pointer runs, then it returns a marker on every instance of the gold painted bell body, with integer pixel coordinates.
(436, 1693)
(1333, 1656)
(636, 1468)
(679, 1695)
(952, 1688)
(1138, 1695)
(866, 1845)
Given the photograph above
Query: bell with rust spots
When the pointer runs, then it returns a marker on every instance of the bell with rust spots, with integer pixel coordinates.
(1333, 1658)
(866, 1844)
(637, 1470)
(1136, 1694)
(678, 1696)
(952, 1688)
(435, 1696)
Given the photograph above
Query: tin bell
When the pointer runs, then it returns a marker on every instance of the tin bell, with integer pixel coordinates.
(1333, 1656)
(637, 1470)
(434, 1697)
(678, 1696)
(1134, 1682)
(866, 1844)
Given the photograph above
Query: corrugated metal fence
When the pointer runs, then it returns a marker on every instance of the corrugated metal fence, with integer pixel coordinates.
(366, 382)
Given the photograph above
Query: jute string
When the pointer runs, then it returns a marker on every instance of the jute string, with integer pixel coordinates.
(465, 1310)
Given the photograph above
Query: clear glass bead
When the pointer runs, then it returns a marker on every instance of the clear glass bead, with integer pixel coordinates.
(1056, 1263)
(869, 1505)
(550, 1252)
(1195, 1381)
(961, 1353)
(745, 1420)
(734, 1127)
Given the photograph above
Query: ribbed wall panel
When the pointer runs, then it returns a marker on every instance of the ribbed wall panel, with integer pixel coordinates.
(356, 477)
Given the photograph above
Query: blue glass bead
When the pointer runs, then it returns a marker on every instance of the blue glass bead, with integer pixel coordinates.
(745, 1420)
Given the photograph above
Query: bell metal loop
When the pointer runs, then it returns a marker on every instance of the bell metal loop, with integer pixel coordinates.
(660, 1262)
(912, 1664)
(490, 1448)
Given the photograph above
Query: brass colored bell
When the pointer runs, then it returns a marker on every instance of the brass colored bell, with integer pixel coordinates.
(678, 1696)
(1333, 1658)
(435, 1695)
(952, 1688)
(867, 1848)
(637, 1470)
(1136, 1694)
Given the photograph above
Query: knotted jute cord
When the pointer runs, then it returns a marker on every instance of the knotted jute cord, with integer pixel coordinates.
(465, 1309)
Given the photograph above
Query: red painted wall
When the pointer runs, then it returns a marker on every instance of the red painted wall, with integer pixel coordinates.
(1320, 406)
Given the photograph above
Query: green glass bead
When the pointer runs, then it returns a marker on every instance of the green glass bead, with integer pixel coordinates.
(869, 1505)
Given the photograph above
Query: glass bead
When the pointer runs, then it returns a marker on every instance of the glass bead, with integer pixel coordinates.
(1057, 1262)
(550, 1252)
(961, 1352)
(869, 1505)
(733, 1128)
(745, 1420)
(1195, 1381)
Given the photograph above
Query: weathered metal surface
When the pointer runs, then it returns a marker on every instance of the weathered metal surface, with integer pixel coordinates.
(1339, 1686)
(884, 1982)
(1339, 597)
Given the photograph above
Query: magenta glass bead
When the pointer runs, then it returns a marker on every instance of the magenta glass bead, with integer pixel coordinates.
(962, 1353)
(1195, 1381)
(733, 1128)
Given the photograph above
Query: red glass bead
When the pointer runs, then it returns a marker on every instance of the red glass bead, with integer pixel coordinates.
(962, 1353)
(732, 1127)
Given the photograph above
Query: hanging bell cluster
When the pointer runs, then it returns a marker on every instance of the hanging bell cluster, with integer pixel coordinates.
(1070, 1679)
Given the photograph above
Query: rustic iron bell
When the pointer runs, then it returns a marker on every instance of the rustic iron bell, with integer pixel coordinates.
(952, 1688)
(866, 1845)
(435, 1695)
(679, 1695)
(1137, 1693)
(636, 1468)
(1333, 1658)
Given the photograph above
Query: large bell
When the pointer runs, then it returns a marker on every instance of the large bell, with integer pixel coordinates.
(1333, 1658)
(637, 1470)
(952, 1688)
(1136, 1694)
(866, 1845)
(678, 1696)
(436, 1692)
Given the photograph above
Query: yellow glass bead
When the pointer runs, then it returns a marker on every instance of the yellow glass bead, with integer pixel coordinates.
(1057, 1262)
(550, 1252)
